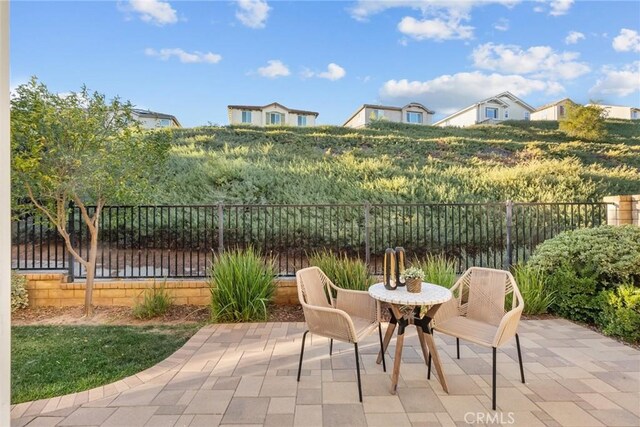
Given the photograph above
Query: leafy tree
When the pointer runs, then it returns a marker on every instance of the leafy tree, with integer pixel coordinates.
(82, 148)
(584, 122)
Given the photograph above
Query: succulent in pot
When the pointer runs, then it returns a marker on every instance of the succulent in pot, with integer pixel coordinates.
(413, 277)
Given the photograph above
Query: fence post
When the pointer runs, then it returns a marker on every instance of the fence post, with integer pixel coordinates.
(220, 228)
(71, 231)
(367, 231)
(509, 224)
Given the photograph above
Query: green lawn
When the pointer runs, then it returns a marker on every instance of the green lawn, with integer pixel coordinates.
(50, 361)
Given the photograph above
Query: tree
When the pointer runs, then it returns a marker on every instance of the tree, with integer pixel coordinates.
(584, 122)
(82, 148)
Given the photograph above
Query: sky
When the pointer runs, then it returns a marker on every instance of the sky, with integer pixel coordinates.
(192, 59)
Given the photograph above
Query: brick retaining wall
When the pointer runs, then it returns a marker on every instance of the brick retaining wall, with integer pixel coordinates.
(52, 289)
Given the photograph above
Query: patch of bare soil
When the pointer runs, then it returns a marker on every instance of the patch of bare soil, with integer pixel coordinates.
(107, 315)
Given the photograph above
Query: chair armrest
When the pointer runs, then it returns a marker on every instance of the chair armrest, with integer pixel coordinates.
(508, 326)
(329, 323)
(358, 304)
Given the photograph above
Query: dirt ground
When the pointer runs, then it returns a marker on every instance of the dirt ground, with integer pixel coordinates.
(106, 315)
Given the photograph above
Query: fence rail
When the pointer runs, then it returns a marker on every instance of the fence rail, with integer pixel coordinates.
(179, 241)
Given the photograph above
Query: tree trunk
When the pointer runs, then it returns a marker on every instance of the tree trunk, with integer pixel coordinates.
(91, 273)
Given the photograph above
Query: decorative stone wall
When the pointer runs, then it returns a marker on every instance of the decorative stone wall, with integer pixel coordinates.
(623, 209)
(52, 289)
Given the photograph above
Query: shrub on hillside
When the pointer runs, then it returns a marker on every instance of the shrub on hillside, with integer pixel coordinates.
(19, 295)
(584, 122)
(620, 315)
(344, 272)
(611, 253)
(242, 283)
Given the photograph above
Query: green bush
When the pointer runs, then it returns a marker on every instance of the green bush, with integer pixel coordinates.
(344, 272)
(535, 293)
(156, 302)
(242, 284)
(620, 315)
(584, 122)
(576, 294)
(19, 295)
(438, 270)
(611, 253)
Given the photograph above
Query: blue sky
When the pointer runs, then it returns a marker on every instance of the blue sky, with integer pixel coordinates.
(192, 59)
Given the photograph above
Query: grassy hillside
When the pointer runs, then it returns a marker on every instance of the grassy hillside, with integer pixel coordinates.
(521, 161)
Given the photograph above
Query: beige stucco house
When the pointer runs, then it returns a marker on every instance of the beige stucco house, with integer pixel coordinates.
(413, 113)
(153, 120)
(619, 111)
(504, 106)
(271, 114)
(552, 111)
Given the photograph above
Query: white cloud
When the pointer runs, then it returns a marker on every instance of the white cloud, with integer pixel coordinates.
(439, 20)
(334, 72)
(621, 82)
(274, 69)
(153, 11)
(253, 13)
(436, 29)
(560, 7)
(574, 37)
(183, 56)
(502, 24)
(449, 93)
(627, 40)
(539, 61)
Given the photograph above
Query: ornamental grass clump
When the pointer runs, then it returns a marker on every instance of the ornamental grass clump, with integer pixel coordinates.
(242, 284)
(439, 270)
(156, 302)
(532, 283)
(344, 272)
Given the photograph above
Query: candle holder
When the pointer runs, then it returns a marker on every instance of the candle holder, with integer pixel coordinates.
(400, 265)
(389, 270)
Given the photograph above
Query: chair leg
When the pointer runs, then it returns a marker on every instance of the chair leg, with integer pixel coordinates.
(384, 364)
(304, 337)
(358, 371)
(458, 347)
(429, 368)
(520, 358)
(494, 379)
(330, 346)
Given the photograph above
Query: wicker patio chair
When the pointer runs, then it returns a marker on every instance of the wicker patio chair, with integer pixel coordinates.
(477, 313)
(349, 317)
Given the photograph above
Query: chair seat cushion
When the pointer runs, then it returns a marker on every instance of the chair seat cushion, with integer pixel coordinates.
(468, 330)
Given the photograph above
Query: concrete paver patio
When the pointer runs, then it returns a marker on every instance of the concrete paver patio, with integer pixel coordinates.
(245, 374)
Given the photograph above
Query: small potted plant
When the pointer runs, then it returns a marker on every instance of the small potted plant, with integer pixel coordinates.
(413, 277)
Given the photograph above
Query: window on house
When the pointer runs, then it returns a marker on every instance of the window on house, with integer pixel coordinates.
(413, 117)
(561, 110)
(246, 117)
(527, 115)
(491, 113)
(165, 122)
(635, 115)
(506, 113)
(302, 120)
(275, 118)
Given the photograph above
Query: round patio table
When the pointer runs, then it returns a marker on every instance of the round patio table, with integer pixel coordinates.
(405, 310)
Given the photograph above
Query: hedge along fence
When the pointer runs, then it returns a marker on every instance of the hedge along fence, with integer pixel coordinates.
(178, 241)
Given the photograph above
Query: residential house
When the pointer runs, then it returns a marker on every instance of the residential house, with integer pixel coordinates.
(619, 111)
(504, 106)
(413, 113)
(552, 111)
(153, 120)
(270, 114)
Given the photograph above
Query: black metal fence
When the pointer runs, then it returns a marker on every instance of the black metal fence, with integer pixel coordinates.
(178, 241)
